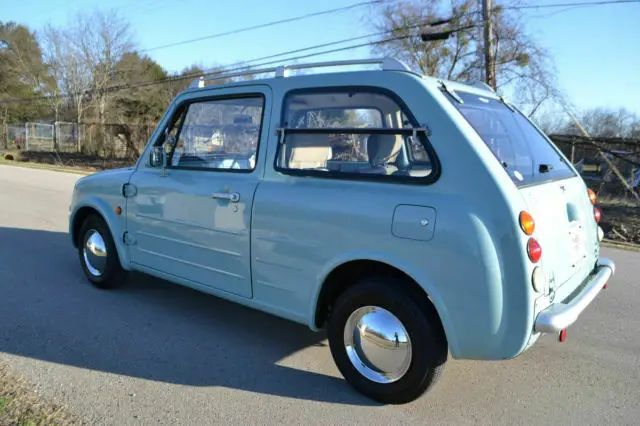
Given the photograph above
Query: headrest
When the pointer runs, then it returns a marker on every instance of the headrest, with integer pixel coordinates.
(308, 151)
(383, 148)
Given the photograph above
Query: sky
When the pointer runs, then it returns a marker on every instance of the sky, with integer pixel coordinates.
(596, 49)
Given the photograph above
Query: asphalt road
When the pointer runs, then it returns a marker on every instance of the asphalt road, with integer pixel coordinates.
(156, 353)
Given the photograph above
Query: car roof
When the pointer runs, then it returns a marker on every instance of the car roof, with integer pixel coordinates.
(387, 65)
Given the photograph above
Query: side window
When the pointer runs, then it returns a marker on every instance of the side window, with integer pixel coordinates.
(351, 132)
(221, 134)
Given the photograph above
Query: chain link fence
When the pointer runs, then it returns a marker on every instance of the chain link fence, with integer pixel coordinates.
(40, 137)
(105, 141)
(610, 166)
(68, 136)
(14, 137)
(29, 137)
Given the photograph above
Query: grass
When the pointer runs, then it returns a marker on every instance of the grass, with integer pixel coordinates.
(73, 162)
(21, 406)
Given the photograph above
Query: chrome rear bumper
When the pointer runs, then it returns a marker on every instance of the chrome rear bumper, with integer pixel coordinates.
(559, 316)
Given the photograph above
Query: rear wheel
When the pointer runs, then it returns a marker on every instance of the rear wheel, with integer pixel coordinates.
(98, 254)
(387, 344)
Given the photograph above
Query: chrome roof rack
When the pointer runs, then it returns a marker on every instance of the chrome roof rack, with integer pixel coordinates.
(387, 64)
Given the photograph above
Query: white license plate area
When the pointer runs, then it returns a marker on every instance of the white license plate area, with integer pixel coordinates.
(577, 250)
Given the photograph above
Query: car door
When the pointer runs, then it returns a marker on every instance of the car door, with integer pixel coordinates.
(191, 219)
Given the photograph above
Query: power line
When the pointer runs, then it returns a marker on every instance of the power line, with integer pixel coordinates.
(236, 67)
(213, 72)
(55, 8)
(318, 46)
(223, 71)
(260, 26)
(583, 3)
(148, 6)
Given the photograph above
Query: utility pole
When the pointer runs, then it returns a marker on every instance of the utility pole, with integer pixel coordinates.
(489, 63)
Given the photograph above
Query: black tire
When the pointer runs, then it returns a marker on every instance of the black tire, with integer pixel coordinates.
(428, 342)
(113, 275)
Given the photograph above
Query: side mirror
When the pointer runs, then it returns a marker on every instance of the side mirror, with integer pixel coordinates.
(159, 157)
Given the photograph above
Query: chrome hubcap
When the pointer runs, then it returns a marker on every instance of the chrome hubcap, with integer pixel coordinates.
(95, 253)
(377, 344)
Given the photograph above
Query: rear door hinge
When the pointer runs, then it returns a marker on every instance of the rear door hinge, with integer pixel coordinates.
(129, 190)
(128, 239)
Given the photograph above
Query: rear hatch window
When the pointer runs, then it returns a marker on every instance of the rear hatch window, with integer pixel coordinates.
(526, 154)
(554, 194)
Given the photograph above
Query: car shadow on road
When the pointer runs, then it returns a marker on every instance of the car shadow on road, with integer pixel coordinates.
(151, 329)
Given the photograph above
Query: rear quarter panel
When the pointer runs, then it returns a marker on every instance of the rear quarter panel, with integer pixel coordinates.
(473, 268)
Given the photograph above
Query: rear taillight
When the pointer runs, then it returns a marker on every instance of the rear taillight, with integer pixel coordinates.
(527, 223)
(592, 196)
(597, 214)
(534, 250)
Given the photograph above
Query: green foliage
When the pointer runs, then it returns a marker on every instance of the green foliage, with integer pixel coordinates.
(139, 104)
(3, 403)
(522, 59)
(22, 72)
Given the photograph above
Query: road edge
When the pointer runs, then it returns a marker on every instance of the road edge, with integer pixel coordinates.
(50, 167)
(620, 245)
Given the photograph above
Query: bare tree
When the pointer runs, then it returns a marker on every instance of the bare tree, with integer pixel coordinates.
(552, 119)
(83, 57)
(521, 65)
(52, 54)
(72, 75)
(100, 39)
(605, 122)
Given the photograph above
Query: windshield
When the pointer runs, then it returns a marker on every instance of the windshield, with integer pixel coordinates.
(527, 156)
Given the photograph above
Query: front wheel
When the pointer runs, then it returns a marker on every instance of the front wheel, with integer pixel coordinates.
(98, 254)
(386, 343)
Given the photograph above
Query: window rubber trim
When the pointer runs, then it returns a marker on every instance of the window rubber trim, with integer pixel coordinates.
(436, 167)
(248, 95)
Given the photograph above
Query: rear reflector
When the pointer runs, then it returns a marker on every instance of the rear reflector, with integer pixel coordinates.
(534, 250)
(606, 285)
(539, 280)
(597, 214)
(563, 336)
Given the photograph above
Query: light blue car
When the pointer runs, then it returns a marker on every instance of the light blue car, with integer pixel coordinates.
(407, 216)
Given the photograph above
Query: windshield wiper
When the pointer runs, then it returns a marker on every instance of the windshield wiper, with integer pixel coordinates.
(451, 93)
(545, 168)
(505, 103)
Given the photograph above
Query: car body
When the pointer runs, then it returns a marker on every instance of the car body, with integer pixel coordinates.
(388, 179)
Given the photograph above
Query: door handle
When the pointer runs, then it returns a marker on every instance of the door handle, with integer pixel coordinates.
(234, 197)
